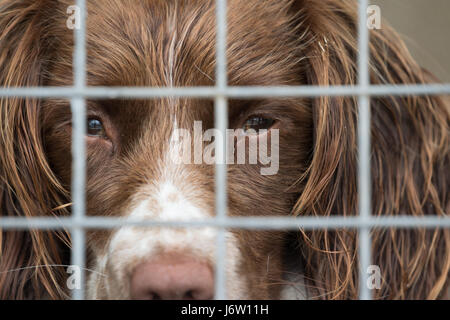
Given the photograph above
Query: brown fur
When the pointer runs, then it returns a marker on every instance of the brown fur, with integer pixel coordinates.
(308, 42)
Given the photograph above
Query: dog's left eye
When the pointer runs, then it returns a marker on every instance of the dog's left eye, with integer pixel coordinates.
(95, 128)
(257, 123)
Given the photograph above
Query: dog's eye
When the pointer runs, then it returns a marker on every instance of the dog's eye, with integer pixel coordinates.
(257, 123)
(95, 128)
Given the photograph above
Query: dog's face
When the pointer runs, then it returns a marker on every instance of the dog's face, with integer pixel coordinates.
(131, 146)
(154, 159)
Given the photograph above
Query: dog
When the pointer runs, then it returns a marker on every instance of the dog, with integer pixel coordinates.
(131, 142)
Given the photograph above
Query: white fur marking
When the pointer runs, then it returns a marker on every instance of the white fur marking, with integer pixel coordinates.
(131, 246)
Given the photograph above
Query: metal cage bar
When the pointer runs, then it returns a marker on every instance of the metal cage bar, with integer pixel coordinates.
(364, 175)
(221, 123)
(252, 223)
(230, 92)
(79, 155)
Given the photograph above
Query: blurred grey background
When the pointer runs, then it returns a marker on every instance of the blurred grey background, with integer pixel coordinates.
(425, 26)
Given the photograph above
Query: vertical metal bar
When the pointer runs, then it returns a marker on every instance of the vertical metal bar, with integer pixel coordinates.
(79, 153)
(221, 123)
(364, 176)
(79, 58)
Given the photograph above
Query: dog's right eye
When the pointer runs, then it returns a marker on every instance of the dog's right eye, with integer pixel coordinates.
(258, 123)
(95, 128)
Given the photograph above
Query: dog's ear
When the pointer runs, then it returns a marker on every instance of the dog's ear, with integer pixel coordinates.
(409, 158)
(28, 188)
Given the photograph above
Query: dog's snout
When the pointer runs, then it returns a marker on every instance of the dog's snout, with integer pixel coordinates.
(172, 278)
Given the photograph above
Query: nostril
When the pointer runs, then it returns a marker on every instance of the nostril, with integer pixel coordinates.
(154, 296)
(150, 296)
(172, 278)
(198, 295)
(189, 295)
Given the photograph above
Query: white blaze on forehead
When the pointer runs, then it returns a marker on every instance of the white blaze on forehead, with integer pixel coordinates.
(167, 204)
(171, 58)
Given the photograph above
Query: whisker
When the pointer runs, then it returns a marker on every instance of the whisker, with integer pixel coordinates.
(52, 266)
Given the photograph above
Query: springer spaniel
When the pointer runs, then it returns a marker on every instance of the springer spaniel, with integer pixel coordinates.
(131, 146)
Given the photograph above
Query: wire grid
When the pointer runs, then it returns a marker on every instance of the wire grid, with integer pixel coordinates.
(78, 94)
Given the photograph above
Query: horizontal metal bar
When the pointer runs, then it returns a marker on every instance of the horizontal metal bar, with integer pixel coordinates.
(258, 223)
(230, 92)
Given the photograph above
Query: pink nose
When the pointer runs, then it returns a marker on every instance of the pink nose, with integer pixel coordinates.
(172, 278)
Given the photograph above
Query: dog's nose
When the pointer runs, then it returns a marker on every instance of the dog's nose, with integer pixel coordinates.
(172, 278)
